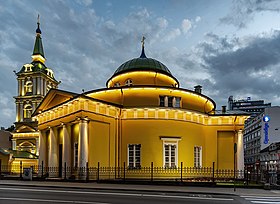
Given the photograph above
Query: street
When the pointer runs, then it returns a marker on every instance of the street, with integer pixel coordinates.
(24, 194)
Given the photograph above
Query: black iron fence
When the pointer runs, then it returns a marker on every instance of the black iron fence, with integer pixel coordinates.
(151, 173)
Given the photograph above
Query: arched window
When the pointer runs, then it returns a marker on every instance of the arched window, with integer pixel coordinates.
(27, 111)
(28, 86)
(128, 82)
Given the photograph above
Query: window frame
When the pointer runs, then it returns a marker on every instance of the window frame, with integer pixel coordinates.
(135, 164)
(197, 159)
(170, 141)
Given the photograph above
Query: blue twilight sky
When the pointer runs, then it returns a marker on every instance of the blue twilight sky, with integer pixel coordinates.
(228, 47)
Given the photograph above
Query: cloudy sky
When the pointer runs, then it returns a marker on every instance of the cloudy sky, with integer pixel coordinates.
(228, 47)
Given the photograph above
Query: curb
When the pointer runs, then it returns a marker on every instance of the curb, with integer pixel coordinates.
(118, 189)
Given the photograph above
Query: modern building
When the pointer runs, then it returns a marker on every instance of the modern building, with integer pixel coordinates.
(270, 162)
(34, 81)
(142, 116)
(248, 105)
(259, 134)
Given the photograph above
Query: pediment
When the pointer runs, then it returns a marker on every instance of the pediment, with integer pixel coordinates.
(25, 128)
(54, 98)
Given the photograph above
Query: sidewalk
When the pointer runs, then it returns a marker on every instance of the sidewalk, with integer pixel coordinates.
(147, 188)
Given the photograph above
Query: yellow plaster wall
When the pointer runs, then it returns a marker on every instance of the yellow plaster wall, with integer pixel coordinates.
(149, 97)
(225, 150)
(148, 133)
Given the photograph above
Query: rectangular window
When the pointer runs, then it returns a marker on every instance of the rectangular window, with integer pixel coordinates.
(134, 156)
(161, 101)
(177, 102)
(76, 154)
(170, 101)
(170, 155)
(197, 157)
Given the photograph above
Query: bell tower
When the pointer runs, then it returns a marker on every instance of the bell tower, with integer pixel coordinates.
(34, 79)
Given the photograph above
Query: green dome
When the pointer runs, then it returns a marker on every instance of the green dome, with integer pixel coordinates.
(142, 64)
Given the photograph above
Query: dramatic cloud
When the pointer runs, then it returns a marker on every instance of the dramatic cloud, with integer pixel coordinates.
(243, 11)
(249, 70)
(85, 41)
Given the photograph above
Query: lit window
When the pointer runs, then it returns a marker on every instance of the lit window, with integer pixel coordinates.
(27, 111)
(134, 156)
(128, 82)
(197, 157)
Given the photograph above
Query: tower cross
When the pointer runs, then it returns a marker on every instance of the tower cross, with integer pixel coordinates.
(143, 41)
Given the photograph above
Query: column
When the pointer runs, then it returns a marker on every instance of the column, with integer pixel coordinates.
(17, 112)
(22, 91)
(53, 152)
(83, 143)
(21, 111)
(66, 146)
(14, 144)
(34, 86)
(42, 148)
(240, 152)
(37, 146)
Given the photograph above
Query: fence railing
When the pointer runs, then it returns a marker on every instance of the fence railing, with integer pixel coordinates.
(151, 173)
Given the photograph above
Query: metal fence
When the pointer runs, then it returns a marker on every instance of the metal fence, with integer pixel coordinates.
(124, 173)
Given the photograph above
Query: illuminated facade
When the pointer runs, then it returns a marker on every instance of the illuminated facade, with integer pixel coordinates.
(142, 116)
(34, 81)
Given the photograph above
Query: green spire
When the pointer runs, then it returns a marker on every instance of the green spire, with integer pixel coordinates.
(38, 47)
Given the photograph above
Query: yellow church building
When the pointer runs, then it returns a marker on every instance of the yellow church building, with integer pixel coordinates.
(142, 116)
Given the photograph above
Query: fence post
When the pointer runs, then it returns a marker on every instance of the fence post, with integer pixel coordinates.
(0, 169)
(65, 170)
(42, 170)
(87, 173)
(152, 171)
(20, 169)
(181, 172)
(98, 171)
(123, 171)
(213, 173)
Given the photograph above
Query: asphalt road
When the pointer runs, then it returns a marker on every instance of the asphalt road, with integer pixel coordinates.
(24, 195)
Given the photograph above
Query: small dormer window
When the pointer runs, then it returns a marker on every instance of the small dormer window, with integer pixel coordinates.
(117, 84)
(28, 67)
(28, 86)
(49, 72)
(128, 82)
